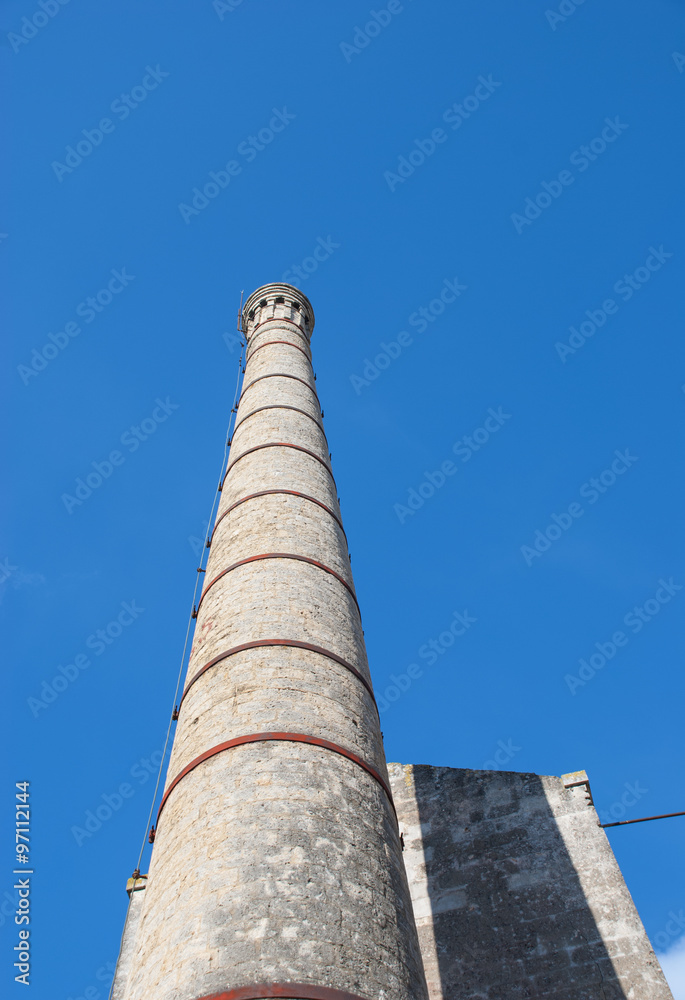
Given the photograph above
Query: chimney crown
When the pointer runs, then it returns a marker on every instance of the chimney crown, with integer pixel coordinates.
(277, 301)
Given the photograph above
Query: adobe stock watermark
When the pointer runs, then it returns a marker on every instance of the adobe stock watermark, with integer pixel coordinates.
(617, 810)
(581, 158)
(249, 148)
(430, 651)
(6, 569)
(504, 753)
(674, 929)
(224, 7)
(87, 310)
(18, 577)
(121, 106)
(105, 975)
(324, 249)
(420, 320)
(679, 60)
(635, 620)
(233, 340)
(626, 288)
(590, 491)
(380, 19)
(98, 641)
(110, 803)
(562, 13)
(9, 906)
(130, 439)
(38, 20)
(196, 542)
(465, 447)
(454, 116)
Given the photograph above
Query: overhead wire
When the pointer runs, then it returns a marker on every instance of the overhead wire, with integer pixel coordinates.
(642, 819)
(203, 555)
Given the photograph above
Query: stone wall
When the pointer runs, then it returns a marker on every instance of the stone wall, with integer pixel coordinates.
(516, 890)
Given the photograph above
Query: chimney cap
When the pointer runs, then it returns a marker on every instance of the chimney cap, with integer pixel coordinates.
(272, 293)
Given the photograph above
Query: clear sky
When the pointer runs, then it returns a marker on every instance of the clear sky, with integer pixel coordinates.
(483, 201)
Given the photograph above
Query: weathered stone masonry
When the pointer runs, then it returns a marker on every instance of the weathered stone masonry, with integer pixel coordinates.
(277, 857)
(516, 891)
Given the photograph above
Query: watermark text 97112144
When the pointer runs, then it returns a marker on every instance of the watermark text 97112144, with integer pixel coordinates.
(22, 915)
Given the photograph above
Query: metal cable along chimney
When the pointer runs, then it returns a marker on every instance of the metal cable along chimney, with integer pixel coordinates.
(277, 868)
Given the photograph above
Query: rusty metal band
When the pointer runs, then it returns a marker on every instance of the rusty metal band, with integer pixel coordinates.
(280, 555)
(290, 643)
(277, 738)
(279, 406)
(268, 343)
(283, 991)
(297, 331)
(266, 493)
(278, 444)
(277, 375)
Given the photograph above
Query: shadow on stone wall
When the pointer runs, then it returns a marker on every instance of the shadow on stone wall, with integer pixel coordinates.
(510, 918)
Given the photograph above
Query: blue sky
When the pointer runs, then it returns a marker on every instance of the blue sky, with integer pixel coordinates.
(496, 195)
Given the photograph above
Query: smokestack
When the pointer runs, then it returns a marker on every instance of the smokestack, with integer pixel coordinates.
(277, 868)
